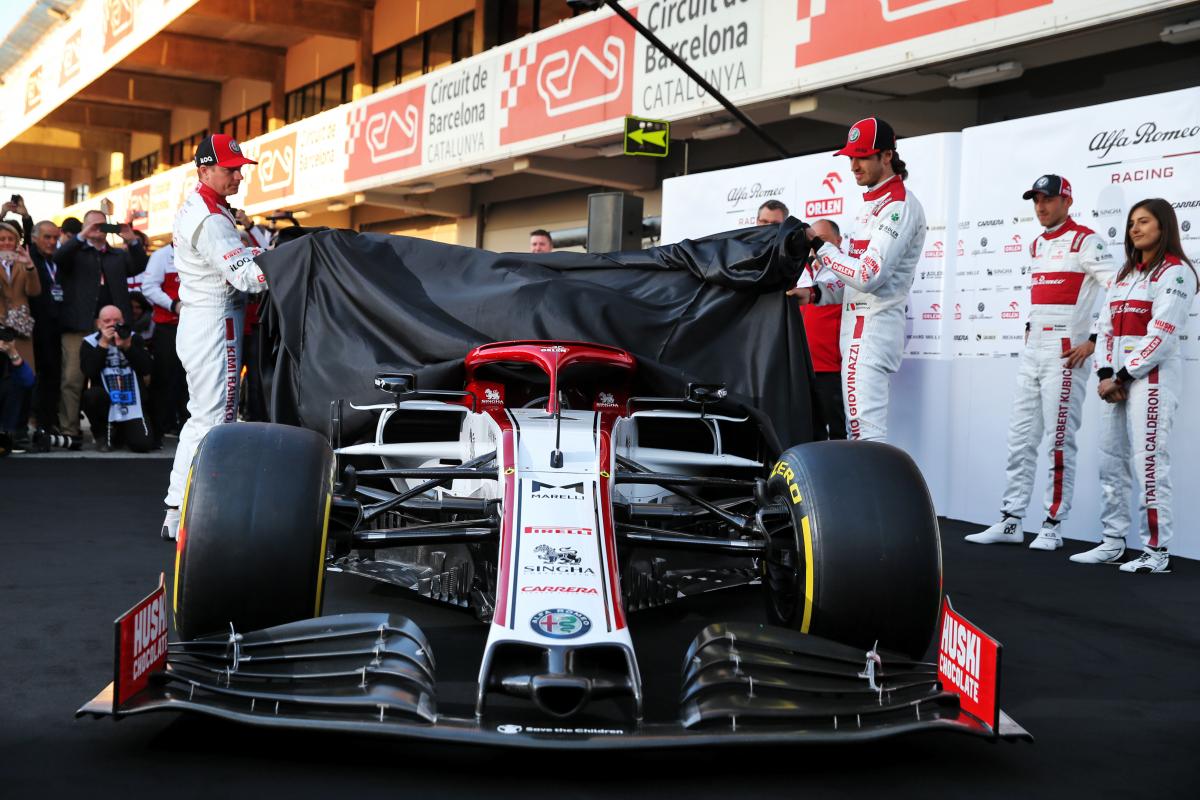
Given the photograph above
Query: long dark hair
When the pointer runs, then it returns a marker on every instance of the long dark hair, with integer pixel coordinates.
(1168, 237)
(898, 166)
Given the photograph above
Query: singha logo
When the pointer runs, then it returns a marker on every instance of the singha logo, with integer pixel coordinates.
(557, 555)
(491, 395)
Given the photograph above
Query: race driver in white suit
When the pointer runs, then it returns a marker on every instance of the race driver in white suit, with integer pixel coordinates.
(215, 269)
(873, 278)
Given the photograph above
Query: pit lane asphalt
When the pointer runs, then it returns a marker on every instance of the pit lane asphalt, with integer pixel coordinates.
(1099, 666)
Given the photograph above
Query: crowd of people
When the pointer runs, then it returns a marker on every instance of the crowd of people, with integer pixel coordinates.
(88, 325)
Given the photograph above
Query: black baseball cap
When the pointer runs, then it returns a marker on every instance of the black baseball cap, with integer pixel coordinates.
(221, 149)
(1049, 185)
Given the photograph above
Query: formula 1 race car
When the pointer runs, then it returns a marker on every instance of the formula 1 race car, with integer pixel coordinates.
(554, 504)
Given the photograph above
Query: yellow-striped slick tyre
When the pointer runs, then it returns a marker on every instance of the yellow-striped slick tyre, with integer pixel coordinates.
(254, 529)
(860, 559)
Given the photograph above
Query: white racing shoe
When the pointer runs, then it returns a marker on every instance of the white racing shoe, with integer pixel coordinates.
(1150, 561)
(1108, 551)
(170, 525)
(1008, 531)
(1048, 538)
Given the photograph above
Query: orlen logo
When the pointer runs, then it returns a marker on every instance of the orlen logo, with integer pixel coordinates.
(827, 206)
(934, 312)
(938, 251)
(1015, 246)
(1014, 311)
(558, 348)
(958, 310)
(961, 249)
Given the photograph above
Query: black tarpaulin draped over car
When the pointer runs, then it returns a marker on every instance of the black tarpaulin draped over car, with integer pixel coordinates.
(345, 306)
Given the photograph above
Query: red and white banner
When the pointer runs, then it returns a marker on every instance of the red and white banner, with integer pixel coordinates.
(566, 81)
(385, 134)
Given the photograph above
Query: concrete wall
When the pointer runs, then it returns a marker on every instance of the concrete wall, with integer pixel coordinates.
(397, 20)
(186, 121)
(240, 94)
(316, 57)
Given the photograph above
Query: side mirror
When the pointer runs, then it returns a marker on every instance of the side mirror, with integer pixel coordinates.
(396, 383)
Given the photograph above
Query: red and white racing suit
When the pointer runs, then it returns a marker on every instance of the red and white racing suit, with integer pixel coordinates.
(1071, 267)
(872, 281)
(214, 268)
(1143, 317)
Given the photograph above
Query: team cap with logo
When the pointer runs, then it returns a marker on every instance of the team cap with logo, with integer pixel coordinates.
(222, 150)
(1049, 185)
(868, 137)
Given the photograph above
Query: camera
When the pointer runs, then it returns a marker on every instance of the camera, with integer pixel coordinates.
(16, 198)
(123, 331)
(7, 334)
(110, 227)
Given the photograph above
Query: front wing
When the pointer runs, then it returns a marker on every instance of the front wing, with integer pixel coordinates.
(375, 673)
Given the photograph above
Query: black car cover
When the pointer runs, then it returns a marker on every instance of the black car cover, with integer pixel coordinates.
(345, 306)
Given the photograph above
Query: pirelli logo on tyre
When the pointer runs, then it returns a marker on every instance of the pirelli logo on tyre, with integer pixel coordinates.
(783, 470)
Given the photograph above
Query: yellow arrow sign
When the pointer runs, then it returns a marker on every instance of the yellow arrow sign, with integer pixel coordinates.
(653, 137)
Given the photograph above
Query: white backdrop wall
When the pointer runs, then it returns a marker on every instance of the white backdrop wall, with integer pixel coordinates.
(951, 398)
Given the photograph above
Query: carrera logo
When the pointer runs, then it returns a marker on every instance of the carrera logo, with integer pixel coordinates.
(1014, 311)
(580, 77)
(385, 135)
(534, 530)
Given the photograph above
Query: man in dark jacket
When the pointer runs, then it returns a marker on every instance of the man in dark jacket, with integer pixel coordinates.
(115, 360)
(47, 335)
(93, 276)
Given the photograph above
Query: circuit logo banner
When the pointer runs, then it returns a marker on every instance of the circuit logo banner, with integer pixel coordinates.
(118, 21)
(274, 177)
(833, 29)
(580, 78)
(385, 135)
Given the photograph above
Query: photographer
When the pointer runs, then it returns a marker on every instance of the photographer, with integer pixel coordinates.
(93, 275)
(16, 379)
(114, 359)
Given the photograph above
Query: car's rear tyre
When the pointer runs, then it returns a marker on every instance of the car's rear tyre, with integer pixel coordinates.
(860, 558)
(252, 537)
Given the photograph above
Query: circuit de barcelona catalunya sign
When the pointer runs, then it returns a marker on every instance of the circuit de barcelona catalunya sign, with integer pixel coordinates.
(572, 83)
